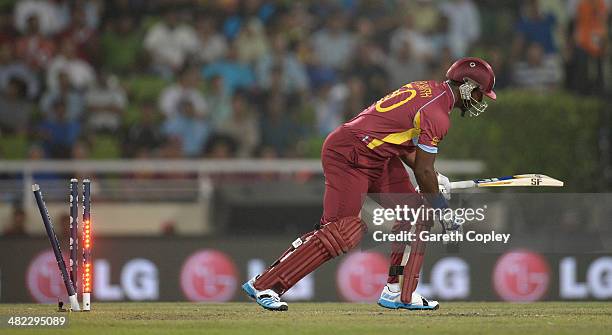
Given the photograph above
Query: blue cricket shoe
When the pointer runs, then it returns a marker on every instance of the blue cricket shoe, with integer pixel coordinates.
(267, 299)
(392, 300)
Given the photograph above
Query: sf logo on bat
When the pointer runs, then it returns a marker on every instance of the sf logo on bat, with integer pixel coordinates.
(536, 180)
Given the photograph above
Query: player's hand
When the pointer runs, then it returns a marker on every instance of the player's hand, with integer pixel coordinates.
(452, 226)
(444, 185)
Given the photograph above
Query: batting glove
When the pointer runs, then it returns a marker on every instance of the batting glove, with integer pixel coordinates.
(444, 185)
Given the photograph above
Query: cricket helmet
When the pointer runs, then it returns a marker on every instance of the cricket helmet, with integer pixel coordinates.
(472, 73)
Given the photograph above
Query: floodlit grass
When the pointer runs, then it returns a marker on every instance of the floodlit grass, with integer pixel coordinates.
(325, 318)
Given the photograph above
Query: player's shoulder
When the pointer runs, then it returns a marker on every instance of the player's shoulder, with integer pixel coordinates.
(427, 89)
(435, 102)
(430, 92)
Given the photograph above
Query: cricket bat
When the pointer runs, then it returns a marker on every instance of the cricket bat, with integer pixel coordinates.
(522, 180)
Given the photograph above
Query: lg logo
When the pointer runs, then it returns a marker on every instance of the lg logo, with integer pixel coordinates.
(521, 276)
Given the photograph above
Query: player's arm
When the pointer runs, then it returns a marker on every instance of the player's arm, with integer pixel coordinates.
(409, 158)
(427, 178)
(434, 126)
(424, 172)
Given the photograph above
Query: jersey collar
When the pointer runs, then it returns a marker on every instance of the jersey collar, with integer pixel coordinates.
(450, 93)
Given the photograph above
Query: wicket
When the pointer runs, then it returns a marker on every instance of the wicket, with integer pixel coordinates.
(70, 275)
(86, 245)
(74, 303)
(74, 226)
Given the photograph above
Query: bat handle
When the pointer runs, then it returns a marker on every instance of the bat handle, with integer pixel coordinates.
(463, 184)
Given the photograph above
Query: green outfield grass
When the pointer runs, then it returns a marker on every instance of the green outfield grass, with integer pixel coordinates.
(326, 318)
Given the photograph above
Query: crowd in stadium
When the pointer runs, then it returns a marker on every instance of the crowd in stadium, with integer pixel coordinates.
(227, 78)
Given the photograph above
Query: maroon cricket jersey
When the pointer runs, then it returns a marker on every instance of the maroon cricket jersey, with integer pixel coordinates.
(416, 114)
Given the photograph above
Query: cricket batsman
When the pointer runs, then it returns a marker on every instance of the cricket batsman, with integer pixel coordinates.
(364, 156)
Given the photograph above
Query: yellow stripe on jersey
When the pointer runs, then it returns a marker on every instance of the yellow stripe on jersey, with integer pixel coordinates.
(375, 142)
(417, 120)
(399, 138)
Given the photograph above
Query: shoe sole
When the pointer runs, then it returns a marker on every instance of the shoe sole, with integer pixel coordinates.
(420, 308)
(280, 309)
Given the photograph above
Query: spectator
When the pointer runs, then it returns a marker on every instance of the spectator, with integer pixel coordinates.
(318, 73)
(186, 89)
(80, 150)
(91, 10)
(334, 45)
(50, 16)
(277, 129)
(15, 109)
(242, 126)
(428, 18)
(144, 136)
(252, 42)
(463, 25)
(170, 43)
(294, 76)
(7, 29)
(135, 9)
(37, 153)
(189, 128)
(233, 21)
(371, 73)
(329, 107)
(439, 40)
(498, 61)
(539, 72)
(221, 147)
(120, 44)
(106, 102)
(297, 22)
(211, 44)
(402, 68)
(34, 47)
(13, 68)
(421, 46)
(82, 35)
(355, 101)
(264, 11)
(266, 152)
(441, 64)
(73, 98)
(236, 75)
(80, 73)
(534, 27)
(365, 30)
(219, 101)
(589, 43)
(16, 227)
(172, 149)
(58, 133)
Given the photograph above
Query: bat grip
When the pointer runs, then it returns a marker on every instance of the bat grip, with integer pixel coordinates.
(462, 184)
